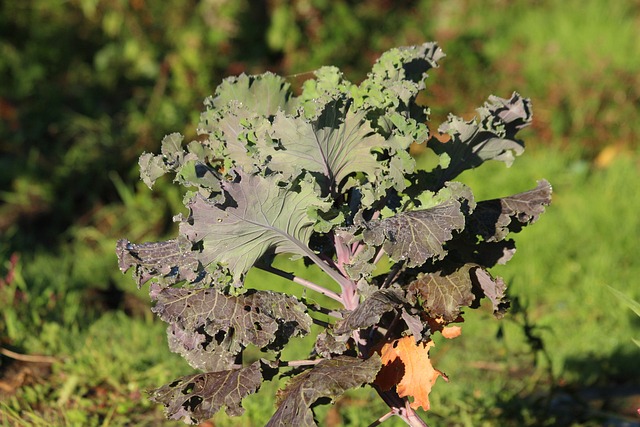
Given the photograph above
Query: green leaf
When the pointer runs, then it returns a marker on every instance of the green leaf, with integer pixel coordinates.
(263, 94)
(328, 86)
(631, 303)
(258, 216)
(333, 145)
(330, 379)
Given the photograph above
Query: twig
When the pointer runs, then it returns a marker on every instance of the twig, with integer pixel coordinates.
(28, 357)
(320, 322)
(319, 309)
(299, 280)
(400, 407)
(382, 419)
(392, 274)
(300, 362)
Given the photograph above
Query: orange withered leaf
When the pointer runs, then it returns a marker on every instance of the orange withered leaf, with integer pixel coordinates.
(407, 366)
(451, 331)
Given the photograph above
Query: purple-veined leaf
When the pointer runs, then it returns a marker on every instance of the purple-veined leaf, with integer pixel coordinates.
(332, 145)
(209, 328)
(257, 216)
(196, 398)
(416, 236)
(329, 379)
(444, 293)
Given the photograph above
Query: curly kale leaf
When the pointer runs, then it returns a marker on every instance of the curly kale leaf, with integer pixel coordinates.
(494, 219)
(209, 328)
(489, 137)
(264, 94)
(258, 216)
(196, 398)
(328, 379)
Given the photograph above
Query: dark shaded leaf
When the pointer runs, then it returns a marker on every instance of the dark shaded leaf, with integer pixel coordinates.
(494, 219)
(416, 236)
(444, 293)
(196, 398)
(209, 329)
(328, 379)
(370, 310)
(419, 329)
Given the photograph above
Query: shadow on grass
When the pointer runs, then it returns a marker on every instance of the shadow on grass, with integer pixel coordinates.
(607, 395)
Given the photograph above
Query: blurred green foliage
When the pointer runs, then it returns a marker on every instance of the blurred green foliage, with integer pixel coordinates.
(86, 86)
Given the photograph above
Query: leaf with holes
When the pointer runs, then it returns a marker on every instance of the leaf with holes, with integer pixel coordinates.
(494, 219)
(196, 398)
(209, 329)
(416, 236)
(328, 379)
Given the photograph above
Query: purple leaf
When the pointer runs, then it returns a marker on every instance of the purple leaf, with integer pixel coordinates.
(196, 398)
(329, 379)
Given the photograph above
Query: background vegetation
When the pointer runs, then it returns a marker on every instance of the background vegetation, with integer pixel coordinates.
(87, 85)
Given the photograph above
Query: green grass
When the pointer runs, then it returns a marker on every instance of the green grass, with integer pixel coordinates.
(567, 336)
(584, 243)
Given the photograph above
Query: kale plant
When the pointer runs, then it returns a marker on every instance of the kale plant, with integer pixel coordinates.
(326, 176)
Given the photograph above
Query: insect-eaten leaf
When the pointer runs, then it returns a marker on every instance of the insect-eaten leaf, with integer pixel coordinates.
(494, 290)
(406, 365)
(489, 137)
(196, 398)
(328, 379)
(170, 261)
(416, 236)
(209, 328)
